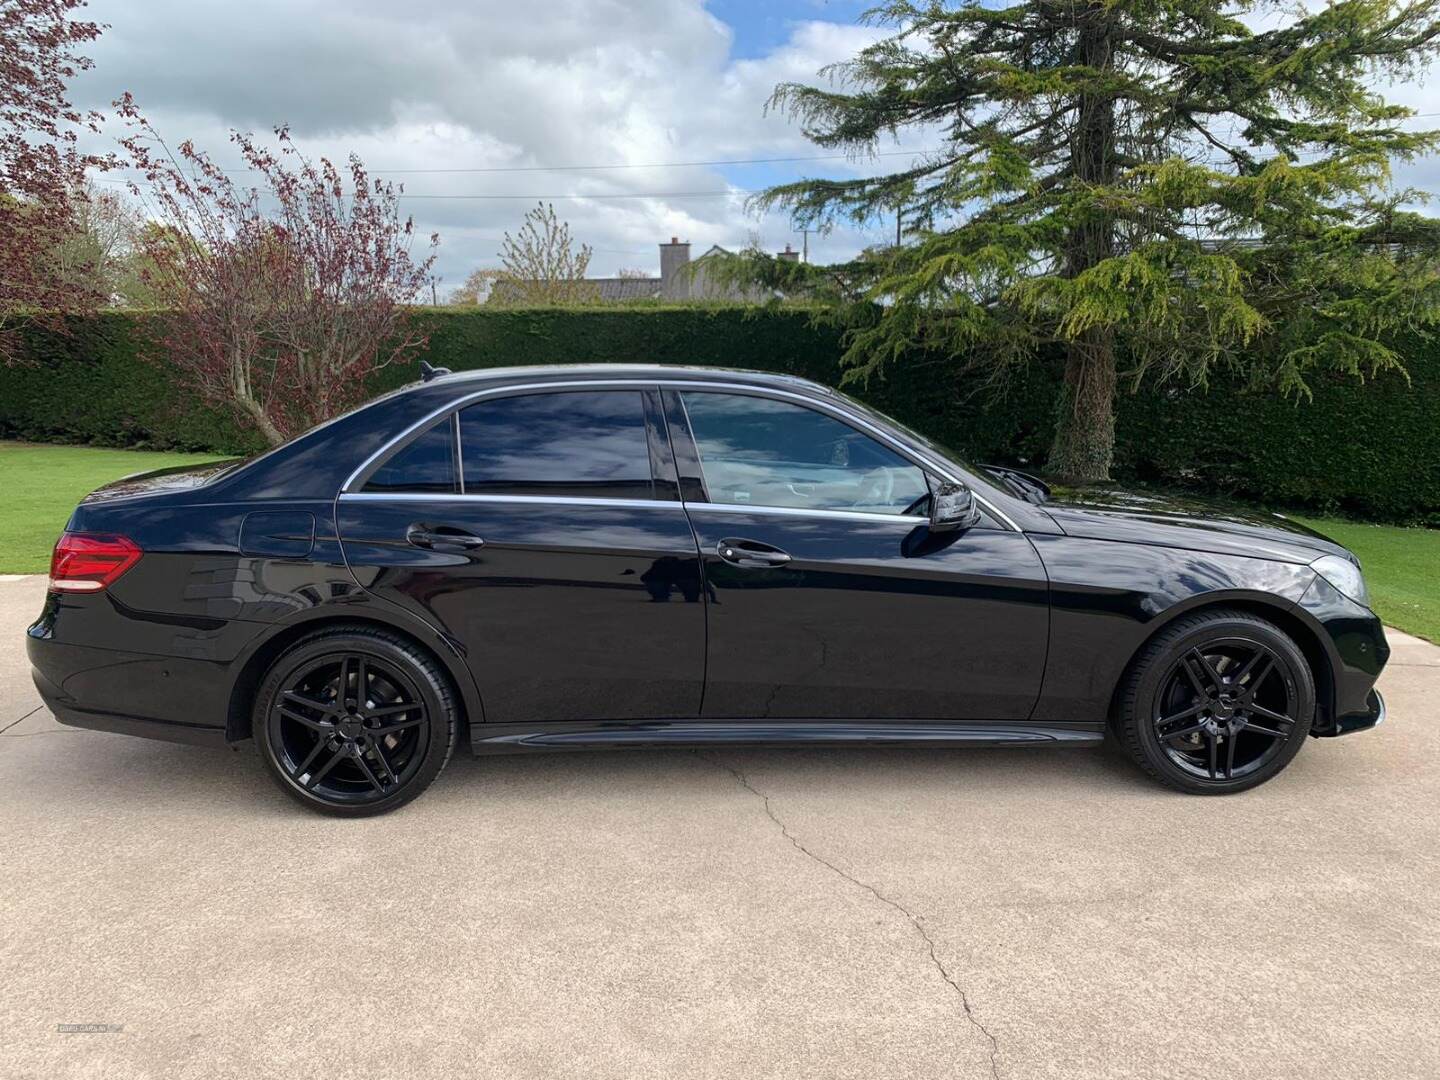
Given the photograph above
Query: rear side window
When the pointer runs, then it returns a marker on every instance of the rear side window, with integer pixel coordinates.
(584, 444)
(426, 464)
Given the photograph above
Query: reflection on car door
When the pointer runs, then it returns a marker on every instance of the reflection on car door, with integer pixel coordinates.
(831, 598)
(549, 542)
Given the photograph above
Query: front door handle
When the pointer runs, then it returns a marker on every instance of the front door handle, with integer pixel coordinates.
(442, 538)
(751, 554)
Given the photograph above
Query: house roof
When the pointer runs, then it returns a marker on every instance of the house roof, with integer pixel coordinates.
(626, 288)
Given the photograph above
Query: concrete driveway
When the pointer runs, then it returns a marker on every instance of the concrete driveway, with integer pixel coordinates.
(737, 914)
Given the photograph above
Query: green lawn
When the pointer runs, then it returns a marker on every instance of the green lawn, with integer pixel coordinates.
(40, 485)
(1402, 569)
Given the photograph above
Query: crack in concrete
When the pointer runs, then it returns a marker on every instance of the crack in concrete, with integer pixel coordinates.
(32, 734)
(913, 919)
(22, 719)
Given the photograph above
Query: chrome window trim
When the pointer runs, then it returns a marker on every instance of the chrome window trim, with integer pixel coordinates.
(630, 504)
(800, 511)
(903, 448)
(532, 500)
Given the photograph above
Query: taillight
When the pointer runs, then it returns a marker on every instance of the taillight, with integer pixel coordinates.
(88, 562)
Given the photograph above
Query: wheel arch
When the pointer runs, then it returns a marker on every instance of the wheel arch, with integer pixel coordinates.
(251, 670)
(1285, 616)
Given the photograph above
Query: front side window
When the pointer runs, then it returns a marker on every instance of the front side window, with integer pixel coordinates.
(756, 451)
(586, 444)
(426, 464)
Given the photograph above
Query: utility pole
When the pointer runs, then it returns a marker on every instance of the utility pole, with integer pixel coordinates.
(804, 244)
(434, 295)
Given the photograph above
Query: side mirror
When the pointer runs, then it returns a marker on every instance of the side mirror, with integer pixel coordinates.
(952, 507)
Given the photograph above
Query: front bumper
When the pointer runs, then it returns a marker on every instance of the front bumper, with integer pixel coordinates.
(1353, 638)
(1372, 716)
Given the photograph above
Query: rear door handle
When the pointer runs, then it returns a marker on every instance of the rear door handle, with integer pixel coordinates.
(751, 554)
(442, 537)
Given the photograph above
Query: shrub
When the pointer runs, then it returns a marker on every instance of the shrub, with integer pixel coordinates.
(1370, 449)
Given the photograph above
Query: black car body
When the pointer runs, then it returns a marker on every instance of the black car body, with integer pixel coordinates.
(624, 555)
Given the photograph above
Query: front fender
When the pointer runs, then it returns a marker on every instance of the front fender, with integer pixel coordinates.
(1107, 598)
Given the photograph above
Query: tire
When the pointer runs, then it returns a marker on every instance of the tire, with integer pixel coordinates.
(343, 754)
(1219, 702)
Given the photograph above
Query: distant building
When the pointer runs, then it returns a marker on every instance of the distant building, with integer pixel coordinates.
(680, 278)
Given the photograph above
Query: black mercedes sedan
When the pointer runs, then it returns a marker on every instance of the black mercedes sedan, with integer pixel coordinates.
(578, 557)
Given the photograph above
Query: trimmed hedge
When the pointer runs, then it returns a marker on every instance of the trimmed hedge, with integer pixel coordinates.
(90, 385)
(1372, 448)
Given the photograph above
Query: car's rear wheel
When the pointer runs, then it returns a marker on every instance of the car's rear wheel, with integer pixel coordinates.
(1218, 702)
(354, 721)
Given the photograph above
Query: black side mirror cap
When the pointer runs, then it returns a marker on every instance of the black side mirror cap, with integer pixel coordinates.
(953, 507)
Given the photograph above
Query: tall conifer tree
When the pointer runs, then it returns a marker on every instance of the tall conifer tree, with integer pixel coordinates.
(1143, 187)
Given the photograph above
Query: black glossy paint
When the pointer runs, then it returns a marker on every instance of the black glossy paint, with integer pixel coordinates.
(1107, 598)
(1171, 521)
(627, 622)
(568, 612)
(519, 738)
(872, 618)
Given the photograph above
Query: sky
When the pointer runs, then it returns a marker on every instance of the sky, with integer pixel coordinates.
(602, 106)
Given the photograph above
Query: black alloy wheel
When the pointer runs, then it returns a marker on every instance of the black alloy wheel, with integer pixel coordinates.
(1217, 703)
(355, 722)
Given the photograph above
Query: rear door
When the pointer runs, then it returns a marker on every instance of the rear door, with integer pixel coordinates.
(829, 597)
(542, 530)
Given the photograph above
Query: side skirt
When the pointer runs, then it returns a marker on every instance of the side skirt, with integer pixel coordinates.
(588, 735)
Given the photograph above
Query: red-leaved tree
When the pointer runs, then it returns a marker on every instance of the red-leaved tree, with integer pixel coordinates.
(42, 170)
(285, 295)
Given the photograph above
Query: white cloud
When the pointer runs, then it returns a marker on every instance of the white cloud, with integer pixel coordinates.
(483, 85)
(502, 85)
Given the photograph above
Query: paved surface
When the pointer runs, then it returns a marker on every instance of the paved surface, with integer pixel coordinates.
(742, 914)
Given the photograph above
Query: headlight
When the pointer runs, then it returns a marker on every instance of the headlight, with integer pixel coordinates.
(1344, 575)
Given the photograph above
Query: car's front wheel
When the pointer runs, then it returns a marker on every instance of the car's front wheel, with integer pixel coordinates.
(354, 721)
(1218, 702)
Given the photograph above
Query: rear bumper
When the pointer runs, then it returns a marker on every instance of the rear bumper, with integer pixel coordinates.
(66, 710)
(1372, 716)
(178, 698)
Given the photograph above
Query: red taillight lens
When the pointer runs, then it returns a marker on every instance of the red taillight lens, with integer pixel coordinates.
(87, 562)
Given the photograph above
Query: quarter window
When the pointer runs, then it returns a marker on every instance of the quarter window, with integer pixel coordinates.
(426, 464)
(763, 452)
(587, 444)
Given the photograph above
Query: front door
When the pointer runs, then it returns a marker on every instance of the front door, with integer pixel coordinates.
(540, 530)
(828, 596)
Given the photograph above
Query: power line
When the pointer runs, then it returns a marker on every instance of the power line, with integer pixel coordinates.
(711, 163)
(651, 165)
(619, 195)
(626, 165)
(726, 193)
(612, 195)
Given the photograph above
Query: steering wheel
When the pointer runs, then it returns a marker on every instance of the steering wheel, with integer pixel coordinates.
(877, 488)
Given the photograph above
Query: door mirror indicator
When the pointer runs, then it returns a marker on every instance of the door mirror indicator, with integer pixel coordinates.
(952, 507)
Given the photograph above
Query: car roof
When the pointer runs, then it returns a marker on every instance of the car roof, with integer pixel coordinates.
(669, 372)
(316, 464)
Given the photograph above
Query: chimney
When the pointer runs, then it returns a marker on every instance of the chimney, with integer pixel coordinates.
(788, 255)
(674, 257)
